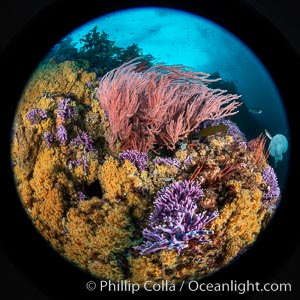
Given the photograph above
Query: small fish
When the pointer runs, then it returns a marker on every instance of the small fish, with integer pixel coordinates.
(211, 130)
(267, 133)
(255, 110)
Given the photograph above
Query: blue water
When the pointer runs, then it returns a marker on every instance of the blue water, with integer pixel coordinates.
(177, 37)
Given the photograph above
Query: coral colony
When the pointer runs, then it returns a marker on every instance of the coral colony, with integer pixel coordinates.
(65, 110)
(167, 160)
(36, 115)
(49, 139)
(270, 178)
(173, 223)
(136, 171)
(81, 196)
(136, 158)
(164, 101)
(83, 140)
(62, 135)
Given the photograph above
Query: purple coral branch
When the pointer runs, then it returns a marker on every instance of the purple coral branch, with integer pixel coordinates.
(81, 196)
(188, 161)
(270, 178)
(89, 83)
(62, 134)
(36, 115)
(49, 139)
(83, 139)
(65, 110)
(139, 159)
(74, 163)
(174, 221)
(167, 160)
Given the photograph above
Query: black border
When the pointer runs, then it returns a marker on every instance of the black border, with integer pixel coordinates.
(23, 244)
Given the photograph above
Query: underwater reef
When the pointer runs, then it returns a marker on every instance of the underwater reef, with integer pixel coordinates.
(140, 174)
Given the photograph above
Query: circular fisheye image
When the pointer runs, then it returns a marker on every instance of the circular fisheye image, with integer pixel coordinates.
(150, 144)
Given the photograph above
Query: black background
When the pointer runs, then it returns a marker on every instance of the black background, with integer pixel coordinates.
(14, 15)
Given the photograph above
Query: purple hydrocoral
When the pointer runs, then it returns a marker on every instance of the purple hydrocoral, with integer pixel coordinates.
(234, 131)
(62, 134)
(270, 178)
(89, 84)
(139, 159)
(174, 221)
(167, 160)
(49, 139)
(85, 140)
(65, 110)
(36, 115)
(106, 115)
(81, 196)
(77, 162)
(84, 161)
(74, 163)
(188, 161)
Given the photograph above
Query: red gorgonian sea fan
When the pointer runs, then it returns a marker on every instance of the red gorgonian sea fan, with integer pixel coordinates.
(159, 106)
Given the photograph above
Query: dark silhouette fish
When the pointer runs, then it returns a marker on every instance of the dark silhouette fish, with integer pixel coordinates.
(211, 130)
